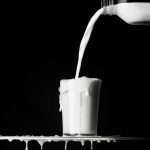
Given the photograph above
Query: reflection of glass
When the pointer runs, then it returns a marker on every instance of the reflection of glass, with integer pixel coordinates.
(131, 12)
(79, 100)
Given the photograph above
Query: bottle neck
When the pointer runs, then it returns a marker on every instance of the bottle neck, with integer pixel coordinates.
(110, 10)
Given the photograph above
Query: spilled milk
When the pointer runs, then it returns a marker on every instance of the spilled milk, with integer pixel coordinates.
(42, 139)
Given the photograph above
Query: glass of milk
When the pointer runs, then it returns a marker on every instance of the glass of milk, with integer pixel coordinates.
(79, 102)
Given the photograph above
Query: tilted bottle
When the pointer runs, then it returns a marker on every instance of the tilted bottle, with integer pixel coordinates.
(134, 13)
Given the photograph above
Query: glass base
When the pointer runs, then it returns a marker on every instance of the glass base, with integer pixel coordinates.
(76, 134)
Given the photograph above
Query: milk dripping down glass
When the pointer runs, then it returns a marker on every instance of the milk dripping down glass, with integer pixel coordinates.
(131, 11)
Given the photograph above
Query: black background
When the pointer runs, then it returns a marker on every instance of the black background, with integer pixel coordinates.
(117, 53)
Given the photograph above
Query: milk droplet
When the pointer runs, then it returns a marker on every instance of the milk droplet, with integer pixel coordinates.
(108, 141)
(41, 142)
(66, 145)
(98, 141)
(60, 105)
(26, 145)
(82, 143)
(91, 144)
(10, 140)
(49, 140)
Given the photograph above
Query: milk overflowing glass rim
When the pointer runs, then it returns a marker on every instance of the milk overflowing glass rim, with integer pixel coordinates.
(66, 84)
(80, 78)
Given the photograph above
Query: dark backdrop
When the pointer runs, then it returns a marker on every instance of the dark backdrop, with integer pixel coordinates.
(117, 53)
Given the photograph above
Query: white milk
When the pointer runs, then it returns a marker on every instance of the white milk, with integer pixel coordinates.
(42, 139)
(79, 101)
(86, 38)
(131, 13)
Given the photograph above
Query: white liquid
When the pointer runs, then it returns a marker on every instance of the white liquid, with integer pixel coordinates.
(79, 103)
(91, 144)
(66, 142)
(41, 142)
(132, 13)
(56, 138)
(82, 143)
(26, 148)
(86, 38)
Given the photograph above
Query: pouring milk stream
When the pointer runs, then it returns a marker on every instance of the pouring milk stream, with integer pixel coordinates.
(131, 13)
